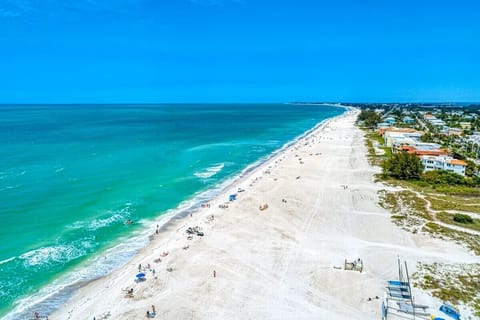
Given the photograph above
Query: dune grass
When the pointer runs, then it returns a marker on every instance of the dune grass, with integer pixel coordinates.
(444, 203)
(471, 241)
(457, 283)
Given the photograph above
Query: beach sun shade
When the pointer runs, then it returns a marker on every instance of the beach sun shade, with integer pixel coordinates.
(140, 275)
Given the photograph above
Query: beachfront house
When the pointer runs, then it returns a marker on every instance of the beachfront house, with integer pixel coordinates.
(423, 149)
(406, 134)
(443, 162)
(431, 155)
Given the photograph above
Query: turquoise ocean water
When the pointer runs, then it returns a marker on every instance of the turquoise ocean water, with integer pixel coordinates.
(71, 175)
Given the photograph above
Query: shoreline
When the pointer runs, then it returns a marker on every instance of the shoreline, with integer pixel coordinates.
(62, 289)
(289, 248)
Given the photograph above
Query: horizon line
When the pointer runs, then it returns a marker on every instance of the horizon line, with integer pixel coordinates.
(231, 102)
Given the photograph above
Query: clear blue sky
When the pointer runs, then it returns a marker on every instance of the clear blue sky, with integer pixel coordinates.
(80, 51)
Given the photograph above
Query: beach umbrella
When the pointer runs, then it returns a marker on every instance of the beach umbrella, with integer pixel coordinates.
(140, 275)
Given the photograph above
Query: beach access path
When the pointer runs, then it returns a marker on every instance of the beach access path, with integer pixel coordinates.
(276, 263)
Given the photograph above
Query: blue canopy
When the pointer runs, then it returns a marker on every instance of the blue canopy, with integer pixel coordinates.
(140, 275)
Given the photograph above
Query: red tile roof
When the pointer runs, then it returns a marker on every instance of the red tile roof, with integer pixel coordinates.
(458, 162)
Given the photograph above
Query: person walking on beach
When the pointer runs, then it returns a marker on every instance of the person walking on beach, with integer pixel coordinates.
(214, 273)
(148, 314)
(153, 309)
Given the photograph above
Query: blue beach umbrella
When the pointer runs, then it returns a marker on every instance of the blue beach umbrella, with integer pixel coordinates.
(140, 275)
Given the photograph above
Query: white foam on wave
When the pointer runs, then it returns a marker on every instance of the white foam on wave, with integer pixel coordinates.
(7, 260)
(203, 147)
(50, 297)
(209, 172)
(10, 187)
(101, 223)
(42, 257)
(98, 223)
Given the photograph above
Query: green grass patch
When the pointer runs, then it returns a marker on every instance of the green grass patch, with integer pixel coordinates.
(388, 152)
(449, 218)
(471, 241)
(374, 136)
(370, 138)
(445, 203)
(425, 187)
(457, 190)
(404, 203)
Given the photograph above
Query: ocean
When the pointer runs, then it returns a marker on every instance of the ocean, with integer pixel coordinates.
(71, 175)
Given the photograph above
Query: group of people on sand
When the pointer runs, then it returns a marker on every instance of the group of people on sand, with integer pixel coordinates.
(145, 268)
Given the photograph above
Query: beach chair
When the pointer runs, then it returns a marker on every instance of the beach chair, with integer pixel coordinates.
(450, 311)
(397, 283)
(399, 295)
(411, 308)
(408, 308)
(398, 288)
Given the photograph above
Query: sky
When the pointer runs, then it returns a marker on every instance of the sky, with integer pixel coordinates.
(153, 51)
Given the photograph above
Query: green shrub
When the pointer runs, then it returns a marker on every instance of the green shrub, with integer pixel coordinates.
(403, 166)
(370, 118)
(462, 218)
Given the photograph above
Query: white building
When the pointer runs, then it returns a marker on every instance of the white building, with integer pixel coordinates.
(446, 163)
(390, 136)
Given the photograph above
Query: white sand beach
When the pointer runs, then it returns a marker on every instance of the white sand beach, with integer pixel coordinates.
(277, 263)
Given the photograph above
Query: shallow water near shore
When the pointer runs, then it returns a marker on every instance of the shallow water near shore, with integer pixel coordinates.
(70, 176)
